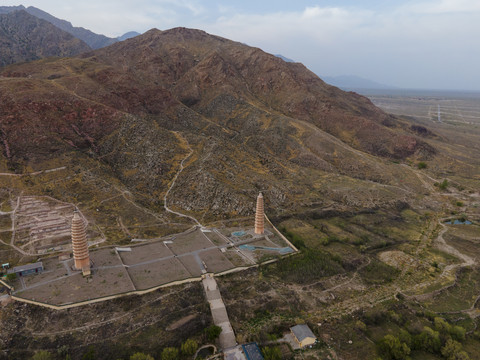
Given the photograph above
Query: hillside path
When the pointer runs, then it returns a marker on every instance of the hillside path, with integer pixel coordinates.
(175, 179)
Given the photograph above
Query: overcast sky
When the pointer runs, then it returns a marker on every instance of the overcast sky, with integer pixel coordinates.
(428, 44)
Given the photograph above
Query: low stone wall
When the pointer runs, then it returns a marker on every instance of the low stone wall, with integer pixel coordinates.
(173, 283)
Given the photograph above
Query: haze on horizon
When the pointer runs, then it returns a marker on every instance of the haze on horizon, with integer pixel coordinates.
(424, 44)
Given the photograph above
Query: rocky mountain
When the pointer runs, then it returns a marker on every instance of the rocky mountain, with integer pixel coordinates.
(9, 9)
(354, 82)
(24, 37)
(128, 35)
(252, 121)
(284, 58)
(95, 41)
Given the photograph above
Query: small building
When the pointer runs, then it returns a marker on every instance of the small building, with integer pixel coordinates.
(28, 269)
(252, 351)
(303, 335)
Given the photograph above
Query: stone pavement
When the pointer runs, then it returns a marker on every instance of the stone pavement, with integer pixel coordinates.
(219, 312)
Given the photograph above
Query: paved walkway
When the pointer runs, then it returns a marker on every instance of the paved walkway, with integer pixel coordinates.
(219, 312)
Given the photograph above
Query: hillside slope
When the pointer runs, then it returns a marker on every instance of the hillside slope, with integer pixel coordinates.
(253, 121)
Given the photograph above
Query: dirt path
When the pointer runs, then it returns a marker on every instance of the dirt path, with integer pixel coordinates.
(179, 136)
(13, 230)
(34, 173)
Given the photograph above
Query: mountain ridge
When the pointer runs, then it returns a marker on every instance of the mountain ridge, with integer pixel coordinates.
(24, 37)
(253, 121)
(95, 41)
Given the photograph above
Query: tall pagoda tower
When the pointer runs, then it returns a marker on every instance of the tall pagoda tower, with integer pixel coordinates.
(259, 215)
(80, 245)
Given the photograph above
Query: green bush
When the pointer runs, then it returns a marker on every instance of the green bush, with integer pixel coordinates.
(422, 165)
(141, 356)
(443, 185)
(391, 348)
(189, 347)
(428, 340)
(170, 353)
(295, 239)
(42, 355)
(272, 353)
(453, 351)
(213, 332)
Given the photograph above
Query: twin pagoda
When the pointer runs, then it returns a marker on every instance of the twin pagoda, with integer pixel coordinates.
(81, 256)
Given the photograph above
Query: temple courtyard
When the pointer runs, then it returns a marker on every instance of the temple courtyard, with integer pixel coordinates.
(149, 264)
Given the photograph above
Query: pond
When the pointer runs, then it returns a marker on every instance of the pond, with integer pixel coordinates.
(284, 250)
(238, 233)
(458, 222)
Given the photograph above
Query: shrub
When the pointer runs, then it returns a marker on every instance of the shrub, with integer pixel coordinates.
(189, 347)
(428, 340)
(457, 333)
(390, 347)
(42, 355)
(141, 356)
(360, 325)
(422, 165)
(213, 332)
(272, 353)
(453, 351)
(296, 240)
(443, 185)
(170, 353)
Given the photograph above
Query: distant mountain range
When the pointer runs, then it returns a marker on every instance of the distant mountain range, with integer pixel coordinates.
(94, 41)
(351, 82)
(24, 37)
(284, 58)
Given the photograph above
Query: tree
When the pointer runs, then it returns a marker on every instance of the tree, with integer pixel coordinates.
(441, 325)
(11, 277)
(391, 348)
(42, 355)
(405, 337)
(213, 332)
(189, 347)
(141, 356)
(429, 340)
(272, 353)
(453, 351)
(457, 333)
(170, 353)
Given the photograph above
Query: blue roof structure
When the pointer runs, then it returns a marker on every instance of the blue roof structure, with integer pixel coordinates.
(252, 351)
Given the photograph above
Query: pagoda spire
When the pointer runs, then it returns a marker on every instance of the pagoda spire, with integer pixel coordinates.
(259, 215)
(80, 245)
